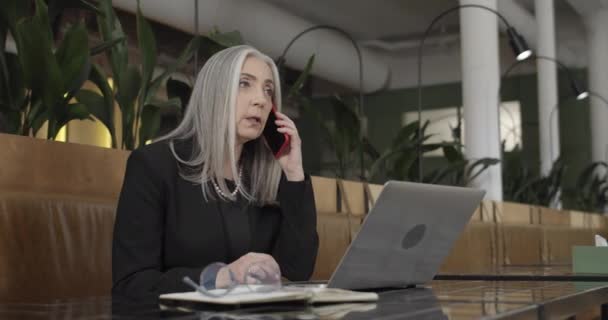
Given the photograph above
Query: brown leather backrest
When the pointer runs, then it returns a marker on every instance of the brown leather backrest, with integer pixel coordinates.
(48, 167)
(54, 247)
(474, 251)
(57, 206)
(334, 231)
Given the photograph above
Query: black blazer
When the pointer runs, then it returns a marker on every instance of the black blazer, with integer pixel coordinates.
(165, 230)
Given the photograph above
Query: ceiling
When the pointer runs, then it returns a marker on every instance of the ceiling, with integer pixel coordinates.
(372, 20)
(389, 30)
(395, 26)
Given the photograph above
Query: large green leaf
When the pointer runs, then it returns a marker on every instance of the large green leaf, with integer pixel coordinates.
(98, 77)
(106, 45)
(42, 16)
(150, 123)
(152, 117)
(126, 96)
(590, 186)
(454, 170)
(77, 111)
(452, 154)
(11, 11)
(73, 111)
(179, 89)
(147, 49)
(226, 39)
(37, 116)
(390, 155)
(369, 149)
(40, 68)
(74, 59)
(588, 173)
(98, 108)
(216, 41)
(181, 61)
(405, 134)
(12, 95)
(11, 121)
(297, 86)
(347, 126)
(110, 29)
(6, 99)
(478, 167)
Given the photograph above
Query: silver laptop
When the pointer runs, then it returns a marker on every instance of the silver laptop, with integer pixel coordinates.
(406, 236)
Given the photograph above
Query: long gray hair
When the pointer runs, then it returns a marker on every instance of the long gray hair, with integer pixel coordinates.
(210, 123)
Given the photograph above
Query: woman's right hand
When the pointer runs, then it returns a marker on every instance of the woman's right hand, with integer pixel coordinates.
(258, 262)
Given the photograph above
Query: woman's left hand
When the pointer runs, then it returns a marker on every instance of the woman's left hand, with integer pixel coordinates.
(291, 159)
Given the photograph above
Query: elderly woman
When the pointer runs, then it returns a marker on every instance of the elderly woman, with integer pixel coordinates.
(212, 190)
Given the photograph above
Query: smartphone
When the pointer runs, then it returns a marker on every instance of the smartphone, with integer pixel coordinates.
(276, 141)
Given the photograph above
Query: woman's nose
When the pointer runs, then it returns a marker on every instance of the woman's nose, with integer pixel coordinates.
(259, 100)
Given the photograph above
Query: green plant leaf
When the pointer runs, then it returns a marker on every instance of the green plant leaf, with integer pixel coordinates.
(74, 111)
(11, 11)
(41, 15)
(172, 105)
(40, 68)
(370, 150)
(74, 59)
(77, 111)
(299, 84)
(226, 39)
(347, 124)
(106, 45)
(179, 89)
(181, 61)
(38, 121)
(6, 98)
(98, 77)
(126, 96)
(150, 123)
(147, 48)
(110, 28)
(588, 173)
(452, 154)
(405, 134)
(97, 107)
(454, 169)
(478, 167)
(389, 155)
(129, 90)
(216, 41)
(13, 91)
(12, 121)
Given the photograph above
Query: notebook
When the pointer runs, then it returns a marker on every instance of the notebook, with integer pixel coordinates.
(243, 295)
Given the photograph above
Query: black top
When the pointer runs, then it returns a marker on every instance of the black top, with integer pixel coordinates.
(165, 230)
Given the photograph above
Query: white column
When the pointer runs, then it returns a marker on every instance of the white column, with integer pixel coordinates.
(547, 86)
(597, 41)
(480, 81)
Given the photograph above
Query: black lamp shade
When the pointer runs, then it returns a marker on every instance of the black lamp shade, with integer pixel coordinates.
(518, 44)
(578, 93)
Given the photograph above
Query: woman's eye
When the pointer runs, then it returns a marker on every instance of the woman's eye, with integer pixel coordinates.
(243, 84)
(269, 91)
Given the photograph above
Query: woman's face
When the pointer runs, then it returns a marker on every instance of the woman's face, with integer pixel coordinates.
(254, 99)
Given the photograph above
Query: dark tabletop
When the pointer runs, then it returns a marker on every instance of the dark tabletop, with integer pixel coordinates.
(525, 273)
(439, 300)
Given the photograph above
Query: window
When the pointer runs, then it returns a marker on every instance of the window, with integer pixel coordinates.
(443, 121)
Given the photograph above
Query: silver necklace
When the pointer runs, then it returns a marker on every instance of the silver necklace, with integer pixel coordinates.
(236, 189)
